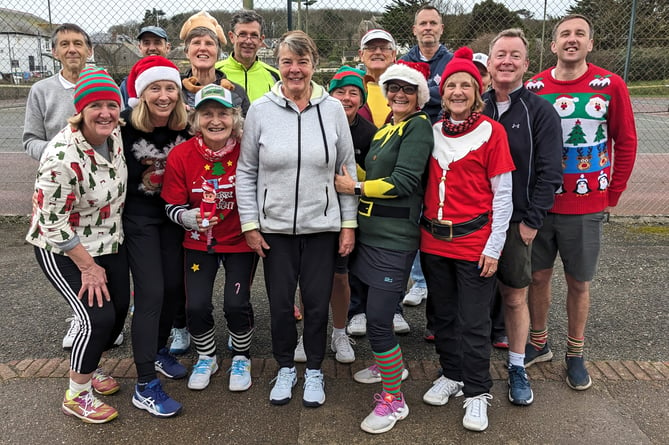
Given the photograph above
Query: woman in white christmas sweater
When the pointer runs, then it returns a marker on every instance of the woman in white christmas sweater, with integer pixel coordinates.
(77, 232)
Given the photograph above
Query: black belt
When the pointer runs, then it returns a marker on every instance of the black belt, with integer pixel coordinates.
(369, 208)
(445, 230)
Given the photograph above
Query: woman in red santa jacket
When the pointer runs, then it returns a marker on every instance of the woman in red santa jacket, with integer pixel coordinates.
(466, 214)
(199, 190)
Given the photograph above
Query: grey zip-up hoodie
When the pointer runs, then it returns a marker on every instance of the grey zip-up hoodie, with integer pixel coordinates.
(286, 169)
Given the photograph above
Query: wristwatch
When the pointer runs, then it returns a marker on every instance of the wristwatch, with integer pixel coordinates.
(358, 189)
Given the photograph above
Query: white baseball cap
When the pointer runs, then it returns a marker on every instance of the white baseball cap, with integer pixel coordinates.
(373, 34)
(481, 59)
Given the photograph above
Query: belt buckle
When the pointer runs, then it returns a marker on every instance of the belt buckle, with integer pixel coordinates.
(368, 211)
(442, 223)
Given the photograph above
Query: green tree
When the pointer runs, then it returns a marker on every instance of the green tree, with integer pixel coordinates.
(398, 20)
(491, 17)
(218, 169)
(576, 135)
(152, 17)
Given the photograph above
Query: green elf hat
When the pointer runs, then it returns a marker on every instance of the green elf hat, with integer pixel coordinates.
(348, 76)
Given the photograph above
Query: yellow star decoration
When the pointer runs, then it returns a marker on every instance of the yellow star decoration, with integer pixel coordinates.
(229, 163)
(195, 267)
(207, 167)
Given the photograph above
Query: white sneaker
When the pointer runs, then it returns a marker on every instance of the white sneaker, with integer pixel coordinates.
(372, 375)
(387, 411)
(282, 391)
(341, 345)
(180, 341)
(240, 373)
(202, 371)
(357, 325)
(119, 340)
(441, 390)
(314, 388)
(300, 356)
(73, 330)
(415, 296)
(400, 325)
(476, 412)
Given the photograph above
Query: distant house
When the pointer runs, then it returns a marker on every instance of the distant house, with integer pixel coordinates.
(116, 53)
(25, 47)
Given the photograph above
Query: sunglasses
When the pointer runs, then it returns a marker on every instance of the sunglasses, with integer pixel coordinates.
(408, 89)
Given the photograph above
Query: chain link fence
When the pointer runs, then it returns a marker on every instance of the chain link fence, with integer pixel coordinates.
(631, 37)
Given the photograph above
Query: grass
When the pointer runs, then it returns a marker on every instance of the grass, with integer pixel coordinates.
(660, 230)
(649, 88)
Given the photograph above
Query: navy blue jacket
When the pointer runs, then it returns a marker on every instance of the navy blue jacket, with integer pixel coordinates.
(437, 64)
(535, 139)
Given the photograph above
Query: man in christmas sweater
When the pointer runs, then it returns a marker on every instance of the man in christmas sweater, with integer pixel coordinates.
(598, 155)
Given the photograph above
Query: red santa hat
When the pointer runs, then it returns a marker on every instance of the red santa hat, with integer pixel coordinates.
(414, 73)
(566, 97)
(146, 71)
(462, 61)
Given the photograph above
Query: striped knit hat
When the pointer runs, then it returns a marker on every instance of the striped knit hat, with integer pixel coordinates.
(95, 84)
(347, 76)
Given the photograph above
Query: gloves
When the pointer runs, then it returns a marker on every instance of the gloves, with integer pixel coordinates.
(188, 219)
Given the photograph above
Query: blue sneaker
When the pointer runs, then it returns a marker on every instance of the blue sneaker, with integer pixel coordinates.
(533, 356)
(577, 375)
(520, 392)
(169, 366)
(154, 400)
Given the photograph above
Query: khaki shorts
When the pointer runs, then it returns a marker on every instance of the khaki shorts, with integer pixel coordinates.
(577, 238)
(514, 268)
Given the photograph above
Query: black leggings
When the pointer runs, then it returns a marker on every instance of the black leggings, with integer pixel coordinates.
(201, 269)
(156, 262)
(309, 259)
(99, 326)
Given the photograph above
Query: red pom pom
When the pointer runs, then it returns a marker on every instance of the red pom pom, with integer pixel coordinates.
(464, 53)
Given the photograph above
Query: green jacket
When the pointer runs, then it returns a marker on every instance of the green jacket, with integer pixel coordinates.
(395, 166)
(257, 80)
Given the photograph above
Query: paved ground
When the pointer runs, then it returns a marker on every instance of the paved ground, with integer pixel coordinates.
(627, 350)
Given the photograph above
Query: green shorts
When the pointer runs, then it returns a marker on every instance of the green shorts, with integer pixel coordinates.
(577, 238)
(514, 268)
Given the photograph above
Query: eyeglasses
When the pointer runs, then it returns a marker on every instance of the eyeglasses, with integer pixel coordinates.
(408, 89)
(373, 48)
(246, 36)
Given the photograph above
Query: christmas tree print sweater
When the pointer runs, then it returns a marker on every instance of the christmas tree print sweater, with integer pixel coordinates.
(599, 138)
(79, 193)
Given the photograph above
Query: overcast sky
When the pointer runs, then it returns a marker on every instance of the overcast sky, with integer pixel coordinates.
(103, 14)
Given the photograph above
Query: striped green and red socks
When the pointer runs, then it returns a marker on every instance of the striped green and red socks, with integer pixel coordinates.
(390, 367)
(575, 346)
(538, 338)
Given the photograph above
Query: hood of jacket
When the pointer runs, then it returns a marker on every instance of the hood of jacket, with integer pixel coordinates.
(318, 95)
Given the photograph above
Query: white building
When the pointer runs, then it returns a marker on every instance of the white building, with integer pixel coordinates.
(25, 46)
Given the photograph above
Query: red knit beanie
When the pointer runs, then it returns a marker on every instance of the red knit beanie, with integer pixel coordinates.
(95, 84)
(146, 71)
(462, 61)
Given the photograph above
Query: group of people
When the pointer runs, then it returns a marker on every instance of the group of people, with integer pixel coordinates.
(446, 154)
